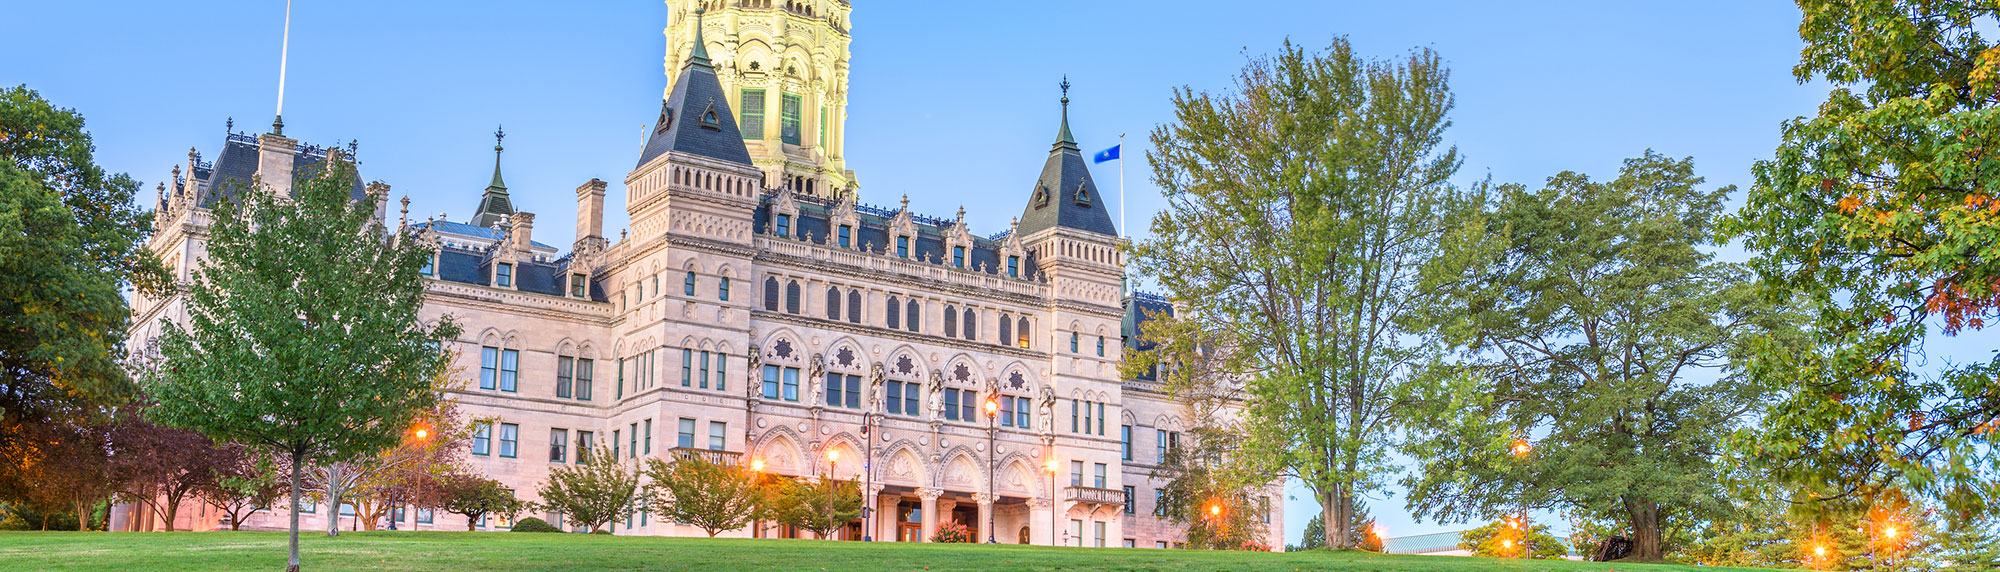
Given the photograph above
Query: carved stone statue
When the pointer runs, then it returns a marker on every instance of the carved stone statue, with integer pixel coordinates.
(816, 371)
(1048, 408)
(937, 395)
(875, 382)
(753, 385)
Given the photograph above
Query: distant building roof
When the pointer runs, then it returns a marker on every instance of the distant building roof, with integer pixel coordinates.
(469, 230)
(1424, 543)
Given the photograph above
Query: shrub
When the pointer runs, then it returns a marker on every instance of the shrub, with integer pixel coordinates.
(532, 524)
(952, 531)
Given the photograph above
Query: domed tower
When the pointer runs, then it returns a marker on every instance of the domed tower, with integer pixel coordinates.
(783, 65)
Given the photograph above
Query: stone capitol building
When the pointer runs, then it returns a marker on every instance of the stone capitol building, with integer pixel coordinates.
(756, 312)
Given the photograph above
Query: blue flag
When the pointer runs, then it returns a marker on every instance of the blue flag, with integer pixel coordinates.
(1106, 155)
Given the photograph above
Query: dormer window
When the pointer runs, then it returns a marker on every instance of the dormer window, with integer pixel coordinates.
(785, 225)
(846, 236)
(709, 119)
(902, 247)
(1041, 196)
(578, 285)
(503, 275)
(1082, 195)
(958, 256)
(1013, 267)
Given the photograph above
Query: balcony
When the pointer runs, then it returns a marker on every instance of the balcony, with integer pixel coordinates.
(721, 458)
(1094, 496)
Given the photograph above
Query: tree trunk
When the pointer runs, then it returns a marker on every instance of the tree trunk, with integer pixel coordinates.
(169, 509)
(471, 521)
(298, 465)
(332, 486)
(1645, 530)
(1326, 516)
(82, 517)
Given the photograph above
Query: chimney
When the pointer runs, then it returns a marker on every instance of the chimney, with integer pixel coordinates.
(590, 216)
(379, 192)
(523, 234)
(274, 162)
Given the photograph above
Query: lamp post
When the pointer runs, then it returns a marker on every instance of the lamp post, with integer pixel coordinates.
(1052, 498)
(867, 478)
(992, 409)
(832, 467)
(1520, 449)
(757, 478)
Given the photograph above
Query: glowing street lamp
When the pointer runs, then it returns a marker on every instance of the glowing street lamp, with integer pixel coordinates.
(757, 465)
(992, 462)
(1052, 498)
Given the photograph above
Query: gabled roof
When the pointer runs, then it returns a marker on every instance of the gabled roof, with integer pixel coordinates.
(696, 119)
(1065, 196)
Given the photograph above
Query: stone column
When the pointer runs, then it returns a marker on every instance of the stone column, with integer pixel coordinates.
(930, 512)
(884, 513)
(986, 523)
(1039, 533)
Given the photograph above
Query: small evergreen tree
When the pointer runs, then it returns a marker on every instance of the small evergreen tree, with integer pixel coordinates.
(1315, 533)
(1969, 545)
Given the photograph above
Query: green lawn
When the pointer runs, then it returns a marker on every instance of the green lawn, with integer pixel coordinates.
(447, 551)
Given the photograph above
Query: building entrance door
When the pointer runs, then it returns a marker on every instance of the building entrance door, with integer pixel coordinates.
(910, 532)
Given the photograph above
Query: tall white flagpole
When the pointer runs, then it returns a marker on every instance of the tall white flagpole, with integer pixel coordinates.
(284, 53)
(1124, 282)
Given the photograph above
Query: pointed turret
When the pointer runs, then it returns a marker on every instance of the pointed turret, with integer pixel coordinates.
(696, 119)
(1065, 196)
(494, 203)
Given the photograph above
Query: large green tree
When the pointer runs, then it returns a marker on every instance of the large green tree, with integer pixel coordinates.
(70, 239)
(1882, 215)
(590, 494)
(1304, 213)
(1595, 334)
(303, 333)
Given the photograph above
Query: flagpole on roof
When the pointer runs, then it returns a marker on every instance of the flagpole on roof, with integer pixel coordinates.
(1123, 282)
(284, 51)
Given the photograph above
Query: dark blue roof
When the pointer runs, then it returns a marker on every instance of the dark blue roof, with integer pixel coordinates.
(1055, 200)
(685, 124)
(237, 166)
(469, 230)
(814, 221)
(470, 267)
(1140, 308)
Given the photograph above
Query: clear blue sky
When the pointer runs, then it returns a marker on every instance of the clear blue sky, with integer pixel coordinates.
(952, 102)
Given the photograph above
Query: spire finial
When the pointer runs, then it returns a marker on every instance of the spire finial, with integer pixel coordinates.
(404, 220)
(499, 134)
(906, 202)
(229, 126)
(1063, 137)
(698, 56)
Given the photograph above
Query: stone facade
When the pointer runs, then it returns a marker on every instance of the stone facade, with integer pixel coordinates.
(798, 331)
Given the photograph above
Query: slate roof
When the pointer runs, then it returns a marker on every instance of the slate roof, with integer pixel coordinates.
(1423, 543)
(488, 233)
(1055, 200)
(236, 166)
(815, 220)
(1140, 308)
(473, 267)
(696, 119)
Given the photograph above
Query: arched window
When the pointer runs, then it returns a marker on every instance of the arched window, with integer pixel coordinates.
(854, 306)
(792, 297)
(771, 294)
(890, 313)
(722, 289)
(950, 322)
(1006, 329)
(971, 324)
(832, 303)
(687, 284)
(913, 316)
(1021, 333)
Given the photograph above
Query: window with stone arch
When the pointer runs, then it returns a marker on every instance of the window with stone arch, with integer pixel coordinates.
(971, 324)
(961, 393)
(771, 293)
(854, 306)
(950, 321)
(1021, 333)
(913, 315)
(832, 303)
(1006, 329)
(792, 297)
(892, 313)
(904, 388)
(1016, 401)
(843, 383)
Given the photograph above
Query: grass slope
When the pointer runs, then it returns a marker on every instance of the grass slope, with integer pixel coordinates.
(427, 551)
